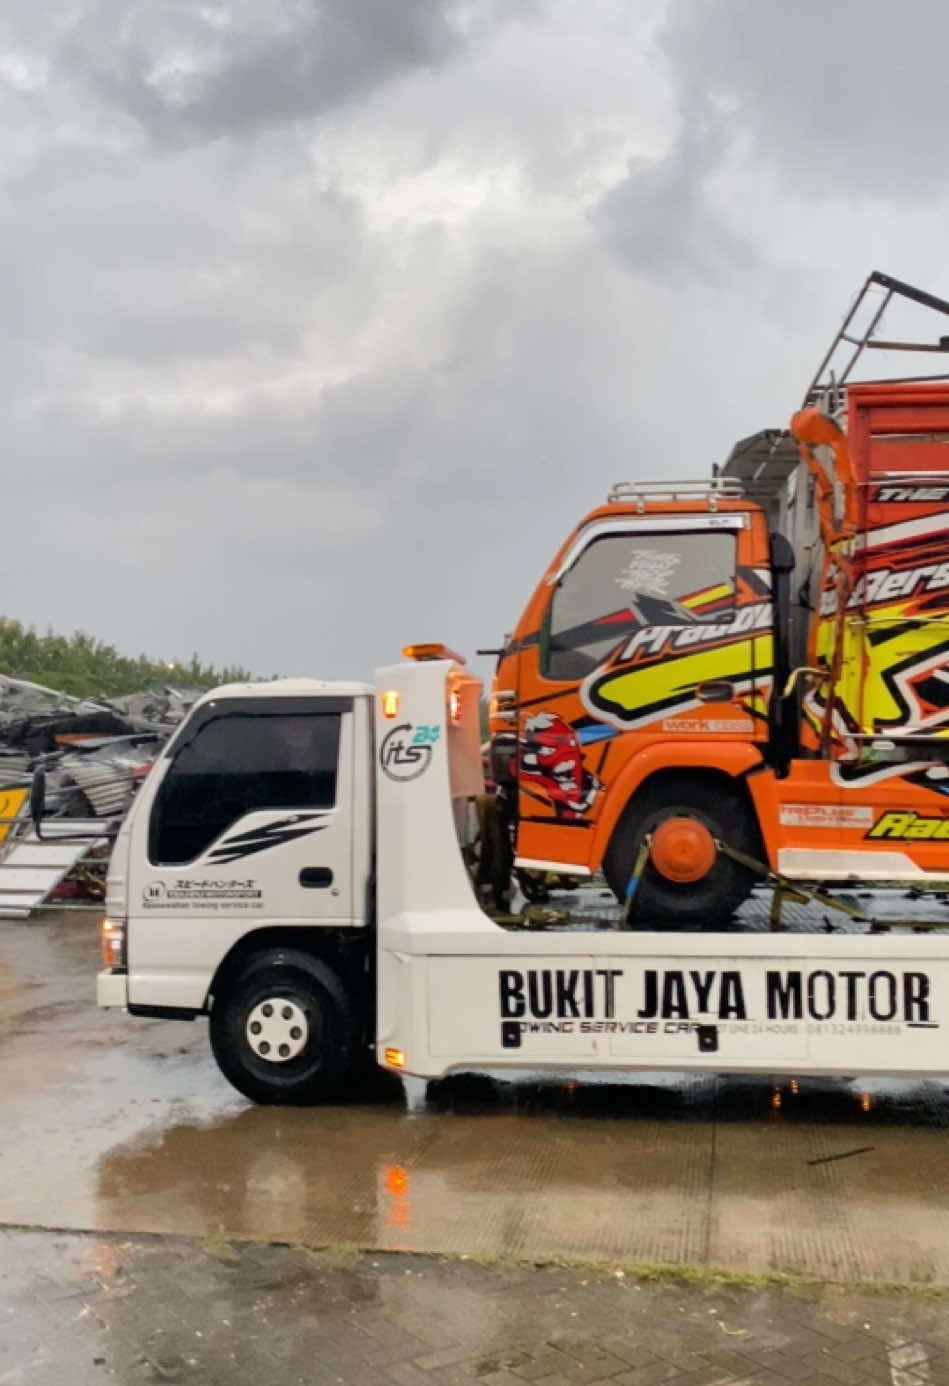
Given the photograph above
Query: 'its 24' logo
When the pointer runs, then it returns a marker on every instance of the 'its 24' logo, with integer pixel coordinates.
(406, 751)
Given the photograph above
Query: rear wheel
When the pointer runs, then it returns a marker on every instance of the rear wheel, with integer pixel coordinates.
(281, 1031)
(687, 883)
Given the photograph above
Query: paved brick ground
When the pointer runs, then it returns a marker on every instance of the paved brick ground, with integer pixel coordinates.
(84, 1309)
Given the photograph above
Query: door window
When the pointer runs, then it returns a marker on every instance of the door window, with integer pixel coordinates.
(623, 582)
(234, 765)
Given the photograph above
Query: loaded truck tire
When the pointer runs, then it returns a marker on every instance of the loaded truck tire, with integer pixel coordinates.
(686, 883)
(281, 1031)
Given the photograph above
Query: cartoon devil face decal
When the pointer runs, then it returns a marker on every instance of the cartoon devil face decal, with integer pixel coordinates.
(551, 766)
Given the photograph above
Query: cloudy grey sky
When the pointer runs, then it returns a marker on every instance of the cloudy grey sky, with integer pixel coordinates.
(325, 319)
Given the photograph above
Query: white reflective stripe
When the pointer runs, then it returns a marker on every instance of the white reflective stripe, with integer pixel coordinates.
(903, 529)
(825, 864)
(560, 867)
(647, 524)
(886, 772)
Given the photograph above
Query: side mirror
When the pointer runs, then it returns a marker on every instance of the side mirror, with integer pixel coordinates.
(109, 829)
(38, 798)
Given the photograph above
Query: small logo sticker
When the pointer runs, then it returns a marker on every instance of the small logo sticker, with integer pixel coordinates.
(706, 725)
(183, 891)
(825, 816)
(406, 751)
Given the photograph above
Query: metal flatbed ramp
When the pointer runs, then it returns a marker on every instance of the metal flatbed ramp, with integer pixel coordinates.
(31, 867)
(593, 908)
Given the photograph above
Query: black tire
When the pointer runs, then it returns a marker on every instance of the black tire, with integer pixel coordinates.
(304, 995)
(661, 903)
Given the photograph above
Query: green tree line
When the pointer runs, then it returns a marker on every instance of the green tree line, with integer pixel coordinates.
(86, 667)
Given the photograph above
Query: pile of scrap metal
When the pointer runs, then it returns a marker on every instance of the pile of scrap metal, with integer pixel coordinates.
(95, 752)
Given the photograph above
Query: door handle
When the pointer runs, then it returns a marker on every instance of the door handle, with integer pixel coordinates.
(715, 691)
(316, 877)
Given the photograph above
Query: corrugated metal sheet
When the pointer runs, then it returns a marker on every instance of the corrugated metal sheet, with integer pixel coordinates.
(30, 868)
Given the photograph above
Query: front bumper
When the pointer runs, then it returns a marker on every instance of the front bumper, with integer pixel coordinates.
(112, 989)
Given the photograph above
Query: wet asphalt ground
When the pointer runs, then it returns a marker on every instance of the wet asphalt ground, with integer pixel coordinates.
(118, 1130)
(93, 1309)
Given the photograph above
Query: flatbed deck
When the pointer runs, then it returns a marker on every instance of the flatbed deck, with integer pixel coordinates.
(886, 910)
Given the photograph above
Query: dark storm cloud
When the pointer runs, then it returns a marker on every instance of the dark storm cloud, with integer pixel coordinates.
(842, 99)
(187, 72)
(660, 220)
(335, 355)
(776, 105)
(317, 529)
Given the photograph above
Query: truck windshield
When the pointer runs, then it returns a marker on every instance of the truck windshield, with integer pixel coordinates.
(622, 582)
(234, 765)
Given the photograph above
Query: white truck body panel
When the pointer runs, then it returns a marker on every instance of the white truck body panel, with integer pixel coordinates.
(458, 991)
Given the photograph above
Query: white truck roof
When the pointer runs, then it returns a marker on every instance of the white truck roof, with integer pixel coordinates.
(288, 688)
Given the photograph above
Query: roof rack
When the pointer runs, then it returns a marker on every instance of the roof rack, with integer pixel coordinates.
(711, 490)
(858, 333)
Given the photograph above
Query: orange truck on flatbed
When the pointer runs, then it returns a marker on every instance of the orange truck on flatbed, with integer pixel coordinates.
(747, 673)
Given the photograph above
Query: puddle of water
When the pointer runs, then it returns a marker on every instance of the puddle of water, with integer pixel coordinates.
(121, 1125)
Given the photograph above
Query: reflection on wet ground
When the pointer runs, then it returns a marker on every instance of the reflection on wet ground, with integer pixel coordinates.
(122, 1125)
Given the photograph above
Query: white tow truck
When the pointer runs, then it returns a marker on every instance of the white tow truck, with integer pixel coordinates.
(292, 869)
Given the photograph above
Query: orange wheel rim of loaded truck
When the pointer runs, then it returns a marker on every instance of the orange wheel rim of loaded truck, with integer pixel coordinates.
(683, 850)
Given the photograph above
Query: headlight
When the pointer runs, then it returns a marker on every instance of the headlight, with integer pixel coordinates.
(112, 942)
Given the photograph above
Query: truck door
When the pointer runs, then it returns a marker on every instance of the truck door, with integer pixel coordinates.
(251, 824)
(657, 626)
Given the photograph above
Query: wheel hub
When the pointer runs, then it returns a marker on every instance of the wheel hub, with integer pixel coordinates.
(277, 1030)
(682, 850)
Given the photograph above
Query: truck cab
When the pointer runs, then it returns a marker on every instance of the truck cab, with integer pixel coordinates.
(252, 838)
(749, 683)
(639, 673)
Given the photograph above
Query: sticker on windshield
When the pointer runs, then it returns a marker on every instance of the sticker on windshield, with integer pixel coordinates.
(649, 571)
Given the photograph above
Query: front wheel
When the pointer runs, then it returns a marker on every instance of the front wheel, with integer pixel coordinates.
(281, 1032)
(686, 883)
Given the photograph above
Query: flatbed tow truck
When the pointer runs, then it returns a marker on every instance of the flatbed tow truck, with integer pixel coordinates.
(296, 867)
(308, 947)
